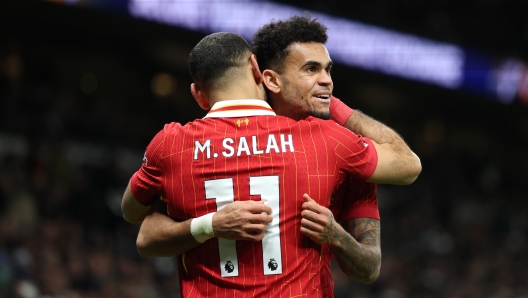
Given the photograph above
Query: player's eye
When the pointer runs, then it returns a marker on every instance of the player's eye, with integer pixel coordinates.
(311, 69)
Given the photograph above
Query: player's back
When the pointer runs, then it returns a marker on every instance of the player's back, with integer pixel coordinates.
(211, 162)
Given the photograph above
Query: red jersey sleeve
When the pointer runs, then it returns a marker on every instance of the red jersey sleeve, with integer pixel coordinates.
(355, 154)
(360, 201)
(146, 182)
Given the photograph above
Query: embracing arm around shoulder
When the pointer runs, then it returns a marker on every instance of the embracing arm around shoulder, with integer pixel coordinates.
(397, 163)
(394, 165)
(133, 211)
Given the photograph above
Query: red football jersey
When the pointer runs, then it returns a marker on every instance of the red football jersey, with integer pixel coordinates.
(242, 151)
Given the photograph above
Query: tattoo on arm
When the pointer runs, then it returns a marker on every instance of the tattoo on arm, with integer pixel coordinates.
(331, 232)
(364, 230)
(359, 254)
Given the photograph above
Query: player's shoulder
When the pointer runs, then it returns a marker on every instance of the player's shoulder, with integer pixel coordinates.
(327, 124)
(168, 129)
(279, 119)
(315, 120)
(172, 127)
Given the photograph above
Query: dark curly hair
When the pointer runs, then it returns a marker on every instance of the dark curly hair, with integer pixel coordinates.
(271, 41)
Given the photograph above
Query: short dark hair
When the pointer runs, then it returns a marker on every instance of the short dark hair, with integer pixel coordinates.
(218, 59)
(271, 41)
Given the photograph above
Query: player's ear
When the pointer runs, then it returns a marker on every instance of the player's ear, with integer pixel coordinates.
(255, 69)
(200, 97)
(272, 80)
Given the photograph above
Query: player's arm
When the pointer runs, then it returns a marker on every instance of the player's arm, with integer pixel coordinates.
(144, 187)
(160, 235)
(133, 211)
(358, 253)
(397, 163)
(356, 247)
(395, 167)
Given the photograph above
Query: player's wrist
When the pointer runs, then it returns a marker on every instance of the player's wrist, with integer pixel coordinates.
(339, 111)
(338, 238)
(202, 227)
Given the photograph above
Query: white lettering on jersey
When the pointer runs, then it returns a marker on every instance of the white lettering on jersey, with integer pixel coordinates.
(284, 143)
(242, 147)
(255, 145)
(230, 149)
(202, 148)
(272, 144)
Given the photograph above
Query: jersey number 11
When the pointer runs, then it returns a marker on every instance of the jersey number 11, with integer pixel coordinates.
(268, 189)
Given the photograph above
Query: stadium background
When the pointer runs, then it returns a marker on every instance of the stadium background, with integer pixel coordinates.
(83, 89)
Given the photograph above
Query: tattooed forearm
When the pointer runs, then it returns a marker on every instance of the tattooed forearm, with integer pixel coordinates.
(331, 232)
(358, 252)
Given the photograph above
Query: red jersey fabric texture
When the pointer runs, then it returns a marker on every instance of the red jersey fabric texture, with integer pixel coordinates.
(242, 151)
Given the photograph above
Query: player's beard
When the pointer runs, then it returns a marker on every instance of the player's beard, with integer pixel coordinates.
(321, 114)
(293, 97)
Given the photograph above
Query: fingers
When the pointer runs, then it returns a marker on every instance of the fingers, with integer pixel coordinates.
(311, 226)
(308, 214)
(252, 206)
(315, 228)
(251, 232)
(318, 219)
(310, 204)
(259, 207)
(307, 198)
(254, 212)
(242, 220)
(314, 236)
(259, 218)
(255, 229)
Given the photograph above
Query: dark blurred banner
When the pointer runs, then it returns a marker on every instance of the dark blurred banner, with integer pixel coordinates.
(503, 79)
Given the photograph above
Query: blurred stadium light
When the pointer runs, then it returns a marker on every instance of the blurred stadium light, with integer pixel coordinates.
(352, 43)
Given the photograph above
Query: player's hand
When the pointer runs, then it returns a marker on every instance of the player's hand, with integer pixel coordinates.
(242, 220)
(318, 222)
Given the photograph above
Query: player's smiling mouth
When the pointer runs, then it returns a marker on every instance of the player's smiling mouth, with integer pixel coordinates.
(323, 96)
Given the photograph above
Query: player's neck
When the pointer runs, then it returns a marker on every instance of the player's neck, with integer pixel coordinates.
(286, 110)
(239, 91)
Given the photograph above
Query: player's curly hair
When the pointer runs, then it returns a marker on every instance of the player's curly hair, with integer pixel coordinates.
(270, 43)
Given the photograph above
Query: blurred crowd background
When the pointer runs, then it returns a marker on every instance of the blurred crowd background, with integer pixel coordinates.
(82, 92)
